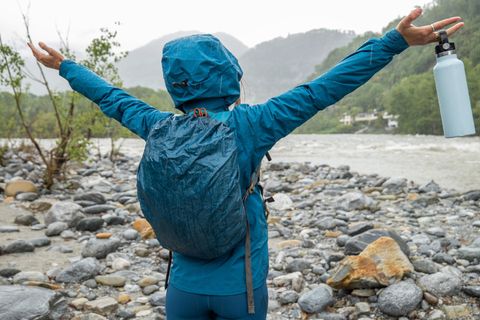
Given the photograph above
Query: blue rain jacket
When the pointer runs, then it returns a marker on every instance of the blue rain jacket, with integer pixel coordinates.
(258, 128)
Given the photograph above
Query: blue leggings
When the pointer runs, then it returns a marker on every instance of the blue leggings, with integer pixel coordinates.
(182, 305)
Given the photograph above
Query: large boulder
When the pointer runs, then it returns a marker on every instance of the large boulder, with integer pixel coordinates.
(380, 264)
(28, 303)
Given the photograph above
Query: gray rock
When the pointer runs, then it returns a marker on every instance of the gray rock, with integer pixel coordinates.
(441, 283)
(55, 228)
(286, 297)
(473, 291)
(22, 302)
(400, 298)
(8, 272)
(24, 276)
(63, 211)
(40, 242)
(18, 246)
(473, 195)
(431, 186)
(297, 265)
(90, 224)
(99, 208)
(26, 220)
(79, 271)
(94, 197)
(354, 201)
(26, 196)
(157, 299)
(329, 316)
(443, 258)
(99, 248)
(469, 253)
(357, 244)
(425, 266)
(317, 299)
(436, 231)
(8, 229)
(394, 185)
(358, 228)
(131, 234)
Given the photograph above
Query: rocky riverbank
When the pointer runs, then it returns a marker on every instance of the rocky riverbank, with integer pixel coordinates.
(342, 246)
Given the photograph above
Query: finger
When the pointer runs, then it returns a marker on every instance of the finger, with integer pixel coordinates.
(414, 14)
(455, 28)
(50, 51)
(35, 51)
(443, 23)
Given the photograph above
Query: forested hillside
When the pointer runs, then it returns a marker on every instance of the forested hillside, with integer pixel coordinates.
(406, 86)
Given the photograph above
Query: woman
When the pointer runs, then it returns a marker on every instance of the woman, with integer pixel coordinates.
(200, 72)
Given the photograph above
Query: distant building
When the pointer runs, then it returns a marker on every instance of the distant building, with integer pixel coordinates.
(348, 120)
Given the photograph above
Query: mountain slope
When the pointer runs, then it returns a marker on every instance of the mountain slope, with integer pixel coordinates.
(143, 66)
(279, 64)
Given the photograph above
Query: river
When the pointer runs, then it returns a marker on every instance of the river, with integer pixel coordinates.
(452, 163)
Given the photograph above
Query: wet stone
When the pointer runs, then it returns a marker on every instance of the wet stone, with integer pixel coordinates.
(18, 246)
(26, 220)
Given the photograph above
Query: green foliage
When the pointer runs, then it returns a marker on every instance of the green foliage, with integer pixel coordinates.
(406, 86)
(38, 112)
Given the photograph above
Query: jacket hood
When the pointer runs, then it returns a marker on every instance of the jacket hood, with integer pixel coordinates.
(197, 70)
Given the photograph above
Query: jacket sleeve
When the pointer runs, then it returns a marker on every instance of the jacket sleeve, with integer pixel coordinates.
(131, 112)
(276, 118)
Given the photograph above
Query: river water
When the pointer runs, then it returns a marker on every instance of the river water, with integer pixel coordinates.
(452, 163)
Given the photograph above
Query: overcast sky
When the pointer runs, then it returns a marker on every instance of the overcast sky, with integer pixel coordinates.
(251, 21)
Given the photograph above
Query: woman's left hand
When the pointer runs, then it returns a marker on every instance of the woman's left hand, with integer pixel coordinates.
(425, 34)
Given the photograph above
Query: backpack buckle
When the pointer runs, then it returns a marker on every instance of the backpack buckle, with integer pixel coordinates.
(200, 112)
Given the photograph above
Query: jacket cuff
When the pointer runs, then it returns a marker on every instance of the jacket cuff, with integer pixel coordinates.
(64, 67)
(394, 41)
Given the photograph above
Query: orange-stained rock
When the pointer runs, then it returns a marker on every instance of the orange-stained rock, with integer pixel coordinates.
(123, 298)
(103, 235)
(380, 264)
(289, 244)
(332, 234)
(18, 186)
(412, 196)
(144, 228)
(8, 200)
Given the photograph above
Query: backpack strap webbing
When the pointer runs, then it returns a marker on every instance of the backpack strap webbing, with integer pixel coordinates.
(167, 277)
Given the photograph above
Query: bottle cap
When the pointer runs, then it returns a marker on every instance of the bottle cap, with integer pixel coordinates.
(443, 44)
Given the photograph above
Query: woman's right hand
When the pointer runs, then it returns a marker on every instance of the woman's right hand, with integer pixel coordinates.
(51, 60)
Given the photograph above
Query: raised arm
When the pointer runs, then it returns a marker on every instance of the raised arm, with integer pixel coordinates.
(114, 102)
(273, 120)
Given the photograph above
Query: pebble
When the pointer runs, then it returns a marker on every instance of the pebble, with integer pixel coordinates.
(317, 299)
(18, 246)
(111, 280)
(56, 228)
(400, 298)
(441, 283)
(99, 248)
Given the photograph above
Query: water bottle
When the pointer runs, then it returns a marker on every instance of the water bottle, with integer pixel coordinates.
(452, 90)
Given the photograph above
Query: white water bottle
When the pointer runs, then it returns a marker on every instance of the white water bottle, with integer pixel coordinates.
(452, 90)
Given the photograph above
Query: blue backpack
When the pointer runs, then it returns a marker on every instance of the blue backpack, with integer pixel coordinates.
(189, 188)
(188, 184)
